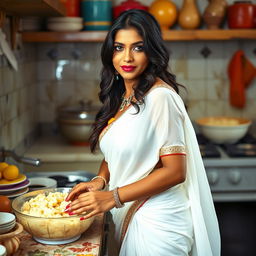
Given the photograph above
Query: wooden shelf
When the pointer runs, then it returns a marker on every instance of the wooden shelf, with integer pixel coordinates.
(33, 7)
(170, 35)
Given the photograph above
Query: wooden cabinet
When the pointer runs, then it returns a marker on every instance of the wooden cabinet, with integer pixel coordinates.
(32, 7)
(168, 35)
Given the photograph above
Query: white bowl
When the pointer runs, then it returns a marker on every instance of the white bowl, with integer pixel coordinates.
(6, 229)
(38, 183)
(64, 27)
(7, 222)
(65, 20)
(222, 129)
(6, 218)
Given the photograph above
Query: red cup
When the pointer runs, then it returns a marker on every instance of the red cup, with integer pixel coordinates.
(241, 15)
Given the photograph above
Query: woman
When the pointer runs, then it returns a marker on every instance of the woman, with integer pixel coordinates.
(158, 194)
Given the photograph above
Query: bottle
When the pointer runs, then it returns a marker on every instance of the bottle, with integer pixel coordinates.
(189, 17)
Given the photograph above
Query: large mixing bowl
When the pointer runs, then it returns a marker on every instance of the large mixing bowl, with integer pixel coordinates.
(53, 230)
(223, 130)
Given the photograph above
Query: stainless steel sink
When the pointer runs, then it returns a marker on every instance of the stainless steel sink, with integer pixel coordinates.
(64, 179)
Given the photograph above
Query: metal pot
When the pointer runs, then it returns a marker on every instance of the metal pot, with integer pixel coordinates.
(75, 122)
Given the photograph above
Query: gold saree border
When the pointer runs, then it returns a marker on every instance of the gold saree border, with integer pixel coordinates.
(172, 150)
(132, 210)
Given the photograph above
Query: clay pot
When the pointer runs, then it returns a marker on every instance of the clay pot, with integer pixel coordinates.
(214, 13)
(127, 5)
(189, 17)
(240, 15)
(165, 12)
(254, 16)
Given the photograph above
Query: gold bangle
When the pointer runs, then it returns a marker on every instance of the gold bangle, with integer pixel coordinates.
(105, 182)
(117, 199)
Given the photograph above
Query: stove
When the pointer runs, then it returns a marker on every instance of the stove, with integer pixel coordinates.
(232, 177)
(246, 147)
(64, 179)
(230, 168)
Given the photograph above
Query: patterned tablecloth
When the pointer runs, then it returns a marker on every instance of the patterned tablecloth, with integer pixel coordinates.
(89, 244)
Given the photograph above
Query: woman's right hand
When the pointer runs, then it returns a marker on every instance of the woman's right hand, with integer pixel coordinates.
(94, 185)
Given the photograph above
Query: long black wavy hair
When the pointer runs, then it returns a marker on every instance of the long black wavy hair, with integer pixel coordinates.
(112, 89)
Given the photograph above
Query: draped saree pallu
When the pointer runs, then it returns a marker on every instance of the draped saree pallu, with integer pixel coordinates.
(180, 220)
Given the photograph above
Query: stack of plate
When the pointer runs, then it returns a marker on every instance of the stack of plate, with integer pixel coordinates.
(7, 222)
(13, 188)
(65, 24)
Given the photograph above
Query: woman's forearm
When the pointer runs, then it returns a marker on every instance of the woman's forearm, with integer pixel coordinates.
(103, 171)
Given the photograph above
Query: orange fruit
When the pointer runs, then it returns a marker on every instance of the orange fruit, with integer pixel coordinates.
(5, 204)
(11, 172)
(3, 165)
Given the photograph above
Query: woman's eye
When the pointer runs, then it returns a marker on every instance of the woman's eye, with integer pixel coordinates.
(139, 48)
(118, 48)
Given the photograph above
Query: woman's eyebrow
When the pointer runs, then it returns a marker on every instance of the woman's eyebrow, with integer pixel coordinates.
(136, 43)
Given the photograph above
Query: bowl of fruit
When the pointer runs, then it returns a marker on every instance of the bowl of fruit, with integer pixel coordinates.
(12, 182)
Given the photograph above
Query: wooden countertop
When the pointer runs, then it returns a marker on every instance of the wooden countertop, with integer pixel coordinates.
(89, 244)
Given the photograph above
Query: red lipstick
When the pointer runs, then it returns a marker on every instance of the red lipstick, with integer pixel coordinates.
(128, 68)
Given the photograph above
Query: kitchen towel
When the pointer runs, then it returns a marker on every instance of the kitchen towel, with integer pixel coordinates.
(241, 72)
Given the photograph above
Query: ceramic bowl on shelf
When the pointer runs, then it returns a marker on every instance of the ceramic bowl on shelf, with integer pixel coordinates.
(65, 24)
(223, 129)
(49, 230)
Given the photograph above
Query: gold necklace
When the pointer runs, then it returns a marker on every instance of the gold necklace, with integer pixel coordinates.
(126, 102)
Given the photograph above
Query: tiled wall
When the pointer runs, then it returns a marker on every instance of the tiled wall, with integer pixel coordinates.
(55, 75)
(18, 103)
(68, 73)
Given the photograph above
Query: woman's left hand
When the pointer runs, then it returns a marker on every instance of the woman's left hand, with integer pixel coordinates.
(93, 202)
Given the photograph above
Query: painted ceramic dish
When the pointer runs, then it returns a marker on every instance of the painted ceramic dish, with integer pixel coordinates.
(21, 185)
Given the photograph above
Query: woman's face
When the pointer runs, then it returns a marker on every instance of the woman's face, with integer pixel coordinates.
(129, 58)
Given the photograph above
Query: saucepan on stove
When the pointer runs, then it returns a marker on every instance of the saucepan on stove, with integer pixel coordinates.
(75, 122)
(222, 129)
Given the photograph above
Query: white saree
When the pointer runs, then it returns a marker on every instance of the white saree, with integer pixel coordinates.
(180, 220)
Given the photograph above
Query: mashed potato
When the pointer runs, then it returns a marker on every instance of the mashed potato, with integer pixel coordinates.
(51, 205)
(222, 121)
(44, 217)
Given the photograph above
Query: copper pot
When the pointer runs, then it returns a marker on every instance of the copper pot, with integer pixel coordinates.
(75, 122)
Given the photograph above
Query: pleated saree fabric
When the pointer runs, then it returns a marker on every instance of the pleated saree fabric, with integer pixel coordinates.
(180, 220)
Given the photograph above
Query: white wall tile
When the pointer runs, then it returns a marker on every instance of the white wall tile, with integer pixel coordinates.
(214, 107)
(217, 89)
(46, 70)
(196, 108)
(196, 89)
(196, 62)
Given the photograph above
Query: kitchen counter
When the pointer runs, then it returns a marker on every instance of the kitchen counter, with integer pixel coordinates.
(89, 244)
(57, 155)
(56, 149)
